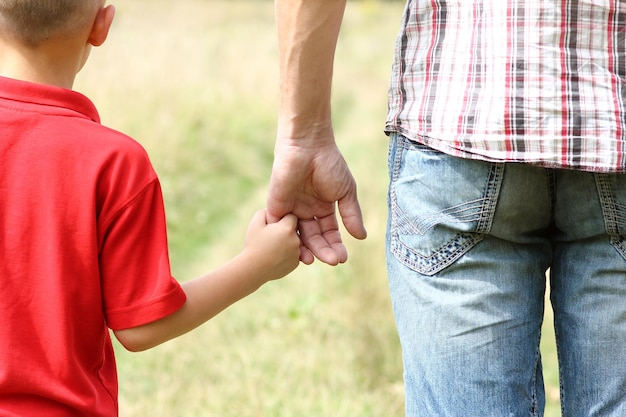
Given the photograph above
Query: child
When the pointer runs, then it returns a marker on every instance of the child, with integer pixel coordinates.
(82, 227)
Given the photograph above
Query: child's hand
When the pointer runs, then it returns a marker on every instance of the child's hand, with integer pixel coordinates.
(274, 249)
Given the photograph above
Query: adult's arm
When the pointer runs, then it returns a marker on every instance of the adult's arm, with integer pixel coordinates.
(310, 177)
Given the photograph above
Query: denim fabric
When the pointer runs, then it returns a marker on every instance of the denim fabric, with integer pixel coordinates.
(468, 246)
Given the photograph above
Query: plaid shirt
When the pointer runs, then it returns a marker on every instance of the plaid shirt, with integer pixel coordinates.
(534, 81)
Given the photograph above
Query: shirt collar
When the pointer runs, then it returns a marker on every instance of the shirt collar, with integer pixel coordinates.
(54, 98)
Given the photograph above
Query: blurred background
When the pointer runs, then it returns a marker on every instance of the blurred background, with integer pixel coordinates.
(196, 83)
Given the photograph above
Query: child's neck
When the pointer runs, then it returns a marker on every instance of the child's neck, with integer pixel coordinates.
(43, 65)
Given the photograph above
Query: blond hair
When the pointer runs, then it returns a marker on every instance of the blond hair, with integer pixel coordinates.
(32, 22)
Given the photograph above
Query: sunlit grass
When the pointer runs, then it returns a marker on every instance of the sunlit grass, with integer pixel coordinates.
(195, 82)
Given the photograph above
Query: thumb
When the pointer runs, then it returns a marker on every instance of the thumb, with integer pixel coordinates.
(258, 220)
(351, 216)
(290, 221)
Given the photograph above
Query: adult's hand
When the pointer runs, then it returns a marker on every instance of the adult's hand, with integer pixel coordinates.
(313, 183)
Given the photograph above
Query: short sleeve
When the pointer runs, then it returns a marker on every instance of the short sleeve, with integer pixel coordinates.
(137, 283)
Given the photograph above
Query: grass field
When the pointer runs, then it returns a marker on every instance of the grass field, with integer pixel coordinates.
(196, 83)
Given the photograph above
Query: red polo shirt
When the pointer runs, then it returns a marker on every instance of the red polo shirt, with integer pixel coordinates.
(83, 248)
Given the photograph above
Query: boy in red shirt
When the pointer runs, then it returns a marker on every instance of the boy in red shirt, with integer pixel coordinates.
(83, 245)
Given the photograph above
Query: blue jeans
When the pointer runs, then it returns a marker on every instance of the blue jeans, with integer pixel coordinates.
(468, 247)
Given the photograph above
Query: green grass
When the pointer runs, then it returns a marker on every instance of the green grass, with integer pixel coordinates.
(196, 83)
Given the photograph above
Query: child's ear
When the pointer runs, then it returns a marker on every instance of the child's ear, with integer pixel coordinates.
(101, 25)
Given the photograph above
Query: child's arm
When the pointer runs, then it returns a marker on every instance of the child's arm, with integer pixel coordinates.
(271, 251)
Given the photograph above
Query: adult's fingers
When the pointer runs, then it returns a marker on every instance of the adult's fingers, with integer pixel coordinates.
(322, 238)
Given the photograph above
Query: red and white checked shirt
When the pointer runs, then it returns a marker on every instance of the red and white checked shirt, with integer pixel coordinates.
(533, 81)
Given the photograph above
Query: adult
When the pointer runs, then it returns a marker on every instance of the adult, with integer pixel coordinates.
(506, 122)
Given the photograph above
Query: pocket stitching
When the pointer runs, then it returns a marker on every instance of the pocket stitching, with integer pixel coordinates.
(462, 242)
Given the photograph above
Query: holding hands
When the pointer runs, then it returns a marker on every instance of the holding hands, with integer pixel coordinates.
(272, 248)
(311, 183)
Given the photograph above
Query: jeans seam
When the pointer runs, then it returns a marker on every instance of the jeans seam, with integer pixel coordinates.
(399, 147)
(535, 402)
(490, 198)
(610, 212)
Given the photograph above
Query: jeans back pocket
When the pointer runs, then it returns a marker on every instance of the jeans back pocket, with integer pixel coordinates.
(440, 206)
